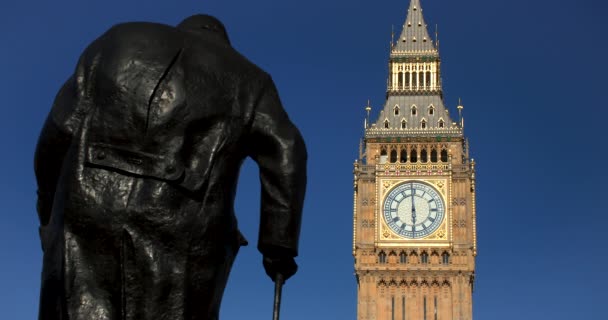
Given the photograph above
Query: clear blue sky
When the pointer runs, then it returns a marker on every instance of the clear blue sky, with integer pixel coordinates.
(532, 76)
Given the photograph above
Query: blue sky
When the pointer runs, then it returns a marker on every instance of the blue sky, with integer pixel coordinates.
(532, 78)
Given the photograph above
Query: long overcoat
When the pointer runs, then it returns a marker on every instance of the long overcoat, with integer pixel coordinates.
(137, 167)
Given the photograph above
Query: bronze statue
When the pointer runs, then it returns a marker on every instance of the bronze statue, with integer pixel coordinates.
(137, 166)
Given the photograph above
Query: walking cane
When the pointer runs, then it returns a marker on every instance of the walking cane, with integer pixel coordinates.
(278, 286)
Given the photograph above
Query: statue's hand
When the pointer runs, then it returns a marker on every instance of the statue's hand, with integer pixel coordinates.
(285, 266)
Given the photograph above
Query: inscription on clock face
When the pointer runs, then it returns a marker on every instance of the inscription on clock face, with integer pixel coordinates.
(413, 210)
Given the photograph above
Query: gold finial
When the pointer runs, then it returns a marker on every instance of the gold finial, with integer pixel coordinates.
(368, 108)
(460, 107)
(437, 36)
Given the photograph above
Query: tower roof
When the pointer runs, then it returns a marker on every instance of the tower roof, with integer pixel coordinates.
(414, 36)
(414, 104)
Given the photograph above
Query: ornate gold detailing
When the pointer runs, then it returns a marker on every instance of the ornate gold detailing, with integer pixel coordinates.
(459, 201)
(368, 224)
(460, 223)
(388, 183)
(420, 169)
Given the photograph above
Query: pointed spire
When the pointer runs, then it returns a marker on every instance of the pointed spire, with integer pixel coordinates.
(415, 36)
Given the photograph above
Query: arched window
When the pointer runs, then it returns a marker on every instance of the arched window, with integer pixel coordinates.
(445, 258)
(382, 257)
(400, 80)
(403, 157)
(413, 156)
(441, 123)
(403, 124)
(396, 110)
(393, 156)
(424, 258)
(433, 155)
(386, 124)
(402, 257)
(423, 124)
(414, 79)
(383, 155)
(428, 79)
(423, 156)
(431, 110)
(407, 80)
(444, 155)
(413, 110)
(421, 78)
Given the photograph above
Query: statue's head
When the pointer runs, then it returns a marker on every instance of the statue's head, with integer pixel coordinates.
(204, 24)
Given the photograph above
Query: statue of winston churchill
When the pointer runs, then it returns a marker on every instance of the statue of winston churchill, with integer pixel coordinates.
(137, 167)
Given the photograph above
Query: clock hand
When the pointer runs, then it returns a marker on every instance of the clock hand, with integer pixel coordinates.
(413, 206)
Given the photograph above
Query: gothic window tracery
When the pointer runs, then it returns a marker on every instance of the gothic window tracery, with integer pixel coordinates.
(424, 258)
(423, 156)
(445, 258)
(444, 155)
(382, 257)
(393, 158)
(413, 257)
(434, 155)
(402, 257)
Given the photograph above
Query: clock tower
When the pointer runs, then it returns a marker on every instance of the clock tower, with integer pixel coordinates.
(414, 228)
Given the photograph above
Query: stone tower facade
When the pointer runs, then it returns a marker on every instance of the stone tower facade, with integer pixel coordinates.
(414, 230)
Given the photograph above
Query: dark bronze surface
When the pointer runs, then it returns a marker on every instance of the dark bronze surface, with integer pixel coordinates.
(137, 166)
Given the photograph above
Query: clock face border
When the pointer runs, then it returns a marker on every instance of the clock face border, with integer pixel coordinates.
(431, 212)
(387, 237)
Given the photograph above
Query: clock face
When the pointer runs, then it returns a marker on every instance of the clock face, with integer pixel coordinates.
(413, 210)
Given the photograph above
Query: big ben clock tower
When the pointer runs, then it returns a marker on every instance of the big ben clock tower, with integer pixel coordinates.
(414, 237)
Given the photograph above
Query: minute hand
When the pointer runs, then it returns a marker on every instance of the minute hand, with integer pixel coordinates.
(413, 206)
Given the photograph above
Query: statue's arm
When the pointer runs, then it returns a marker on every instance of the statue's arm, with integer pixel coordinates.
(53, 143)
(67, 113)
(278, 148)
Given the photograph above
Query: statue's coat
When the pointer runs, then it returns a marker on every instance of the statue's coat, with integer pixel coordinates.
(137, 168)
